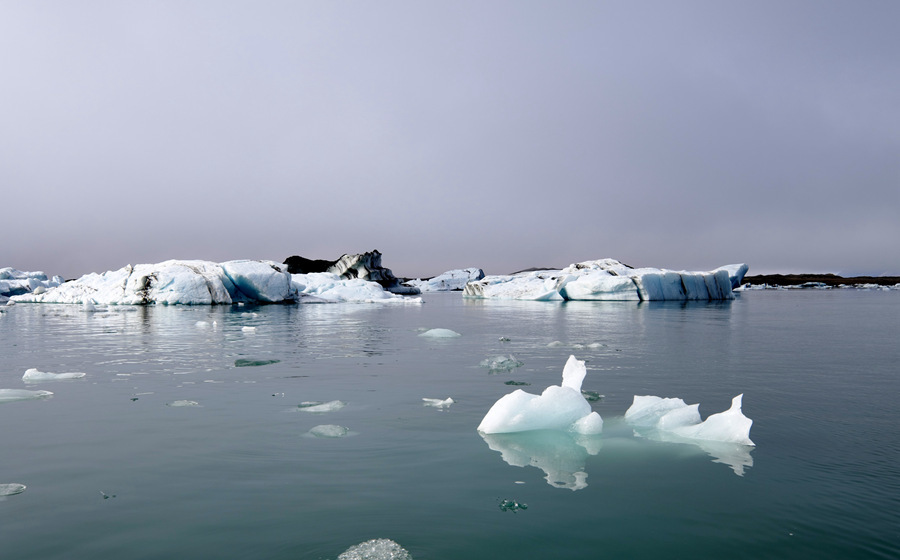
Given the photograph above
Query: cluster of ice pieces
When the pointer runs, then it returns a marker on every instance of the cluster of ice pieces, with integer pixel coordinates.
(564, 407)
(195, 282)
(452, 280)
(14, 282)
(559, 407)
(610, 280)
(376, 549)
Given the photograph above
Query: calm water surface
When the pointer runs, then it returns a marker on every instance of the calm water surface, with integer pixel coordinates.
(113, 471)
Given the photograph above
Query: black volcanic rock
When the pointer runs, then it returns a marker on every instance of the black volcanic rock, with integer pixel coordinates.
(301, 265)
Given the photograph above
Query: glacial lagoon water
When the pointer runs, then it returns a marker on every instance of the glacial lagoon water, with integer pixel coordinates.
(192, 437)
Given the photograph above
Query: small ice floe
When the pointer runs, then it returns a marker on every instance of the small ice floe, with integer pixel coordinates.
(440, 333)
(10, 395)
(504, 339)
(328, 431)
(437, 403)
(501, 363)
(202, 324)
(683, 420)
(183, 403)
(559, 407)
(88, 305)
(33, 375)
(248, 330)
(250, 315)
(317, 406)
(376, 549)
(11, 489)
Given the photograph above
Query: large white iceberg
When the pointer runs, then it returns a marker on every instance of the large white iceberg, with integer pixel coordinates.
(448, 281)
(196, 282)
(559, 407)
(683, 420)
(610, 280)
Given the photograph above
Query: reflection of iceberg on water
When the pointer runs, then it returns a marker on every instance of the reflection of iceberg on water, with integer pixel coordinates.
(724, 436)
(559, 454)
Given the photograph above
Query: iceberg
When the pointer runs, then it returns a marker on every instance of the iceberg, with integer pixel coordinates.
(559, 407)
(437, 403)
(10, 395)
(11, 489)
(316, 406)
(452, 280)
(675, 417)
(329, 431)
(499, 364)
(194, 282)
(33, 376)
(610, 280)
(14, 282)
(364, 266)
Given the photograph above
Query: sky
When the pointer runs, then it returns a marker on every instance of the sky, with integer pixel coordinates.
(503, 135)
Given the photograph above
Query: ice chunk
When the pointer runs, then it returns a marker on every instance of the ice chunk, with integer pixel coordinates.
(33, 375)
(316, 406)
(11, 489)
(440, 333)
(329, 431)
(501, 363)
(559, 407)
(10, 395)
(676, 417)
(253, 363)
(328, 287)
(248, 329)
(376, 549)
(438, 403)
(183, 403)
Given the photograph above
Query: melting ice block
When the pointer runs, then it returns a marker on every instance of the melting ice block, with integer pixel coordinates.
(440, 333)
(676, 417)
(559, 407)
(9, 395)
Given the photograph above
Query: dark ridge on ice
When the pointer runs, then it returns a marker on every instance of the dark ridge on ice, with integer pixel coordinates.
(827, 279)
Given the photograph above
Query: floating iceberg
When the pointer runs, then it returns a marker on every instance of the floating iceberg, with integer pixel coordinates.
(610, 280)
(316, 406)
(14, 282)
(683, 420)
(364, 266)
(183, 403)
(437, 403)
(559, 407)
(194, 282)
(10, 395)
(501, 363)
(452, 280)
(33, 375)
(11, 489)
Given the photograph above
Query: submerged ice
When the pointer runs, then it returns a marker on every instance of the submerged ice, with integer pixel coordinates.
(559, 407)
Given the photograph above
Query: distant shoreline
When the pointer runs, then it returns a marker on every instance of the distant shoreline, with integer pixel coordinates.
(827, 279)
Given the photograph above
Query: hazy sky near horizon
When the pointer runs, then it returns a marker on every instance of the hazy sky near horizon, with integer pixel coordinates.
(502, 134)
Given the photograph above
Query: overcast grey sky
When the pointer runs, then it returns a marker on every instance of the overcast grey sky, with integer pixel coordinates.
(499, 134)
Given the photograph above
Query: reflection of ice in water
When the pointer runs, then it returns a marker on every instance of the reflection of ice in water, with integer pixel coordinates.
(735, 455)
(376, 549)
(559, 454)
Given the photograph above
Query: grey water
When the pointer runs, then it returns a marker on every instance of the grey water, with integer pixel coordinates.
(114, 470)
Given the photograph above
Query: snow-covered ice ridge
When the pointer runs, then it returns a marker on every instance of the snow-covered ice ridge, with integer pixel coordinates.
(15, 282)
(196, 282)
(610, 280)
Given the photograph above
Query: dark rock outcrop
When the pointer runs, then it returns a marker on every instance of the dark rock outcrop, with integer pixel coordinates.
(366, 266)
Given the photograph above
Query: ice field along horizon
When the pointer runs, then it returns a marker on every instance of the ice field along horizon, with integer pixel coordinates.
(303, 431)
